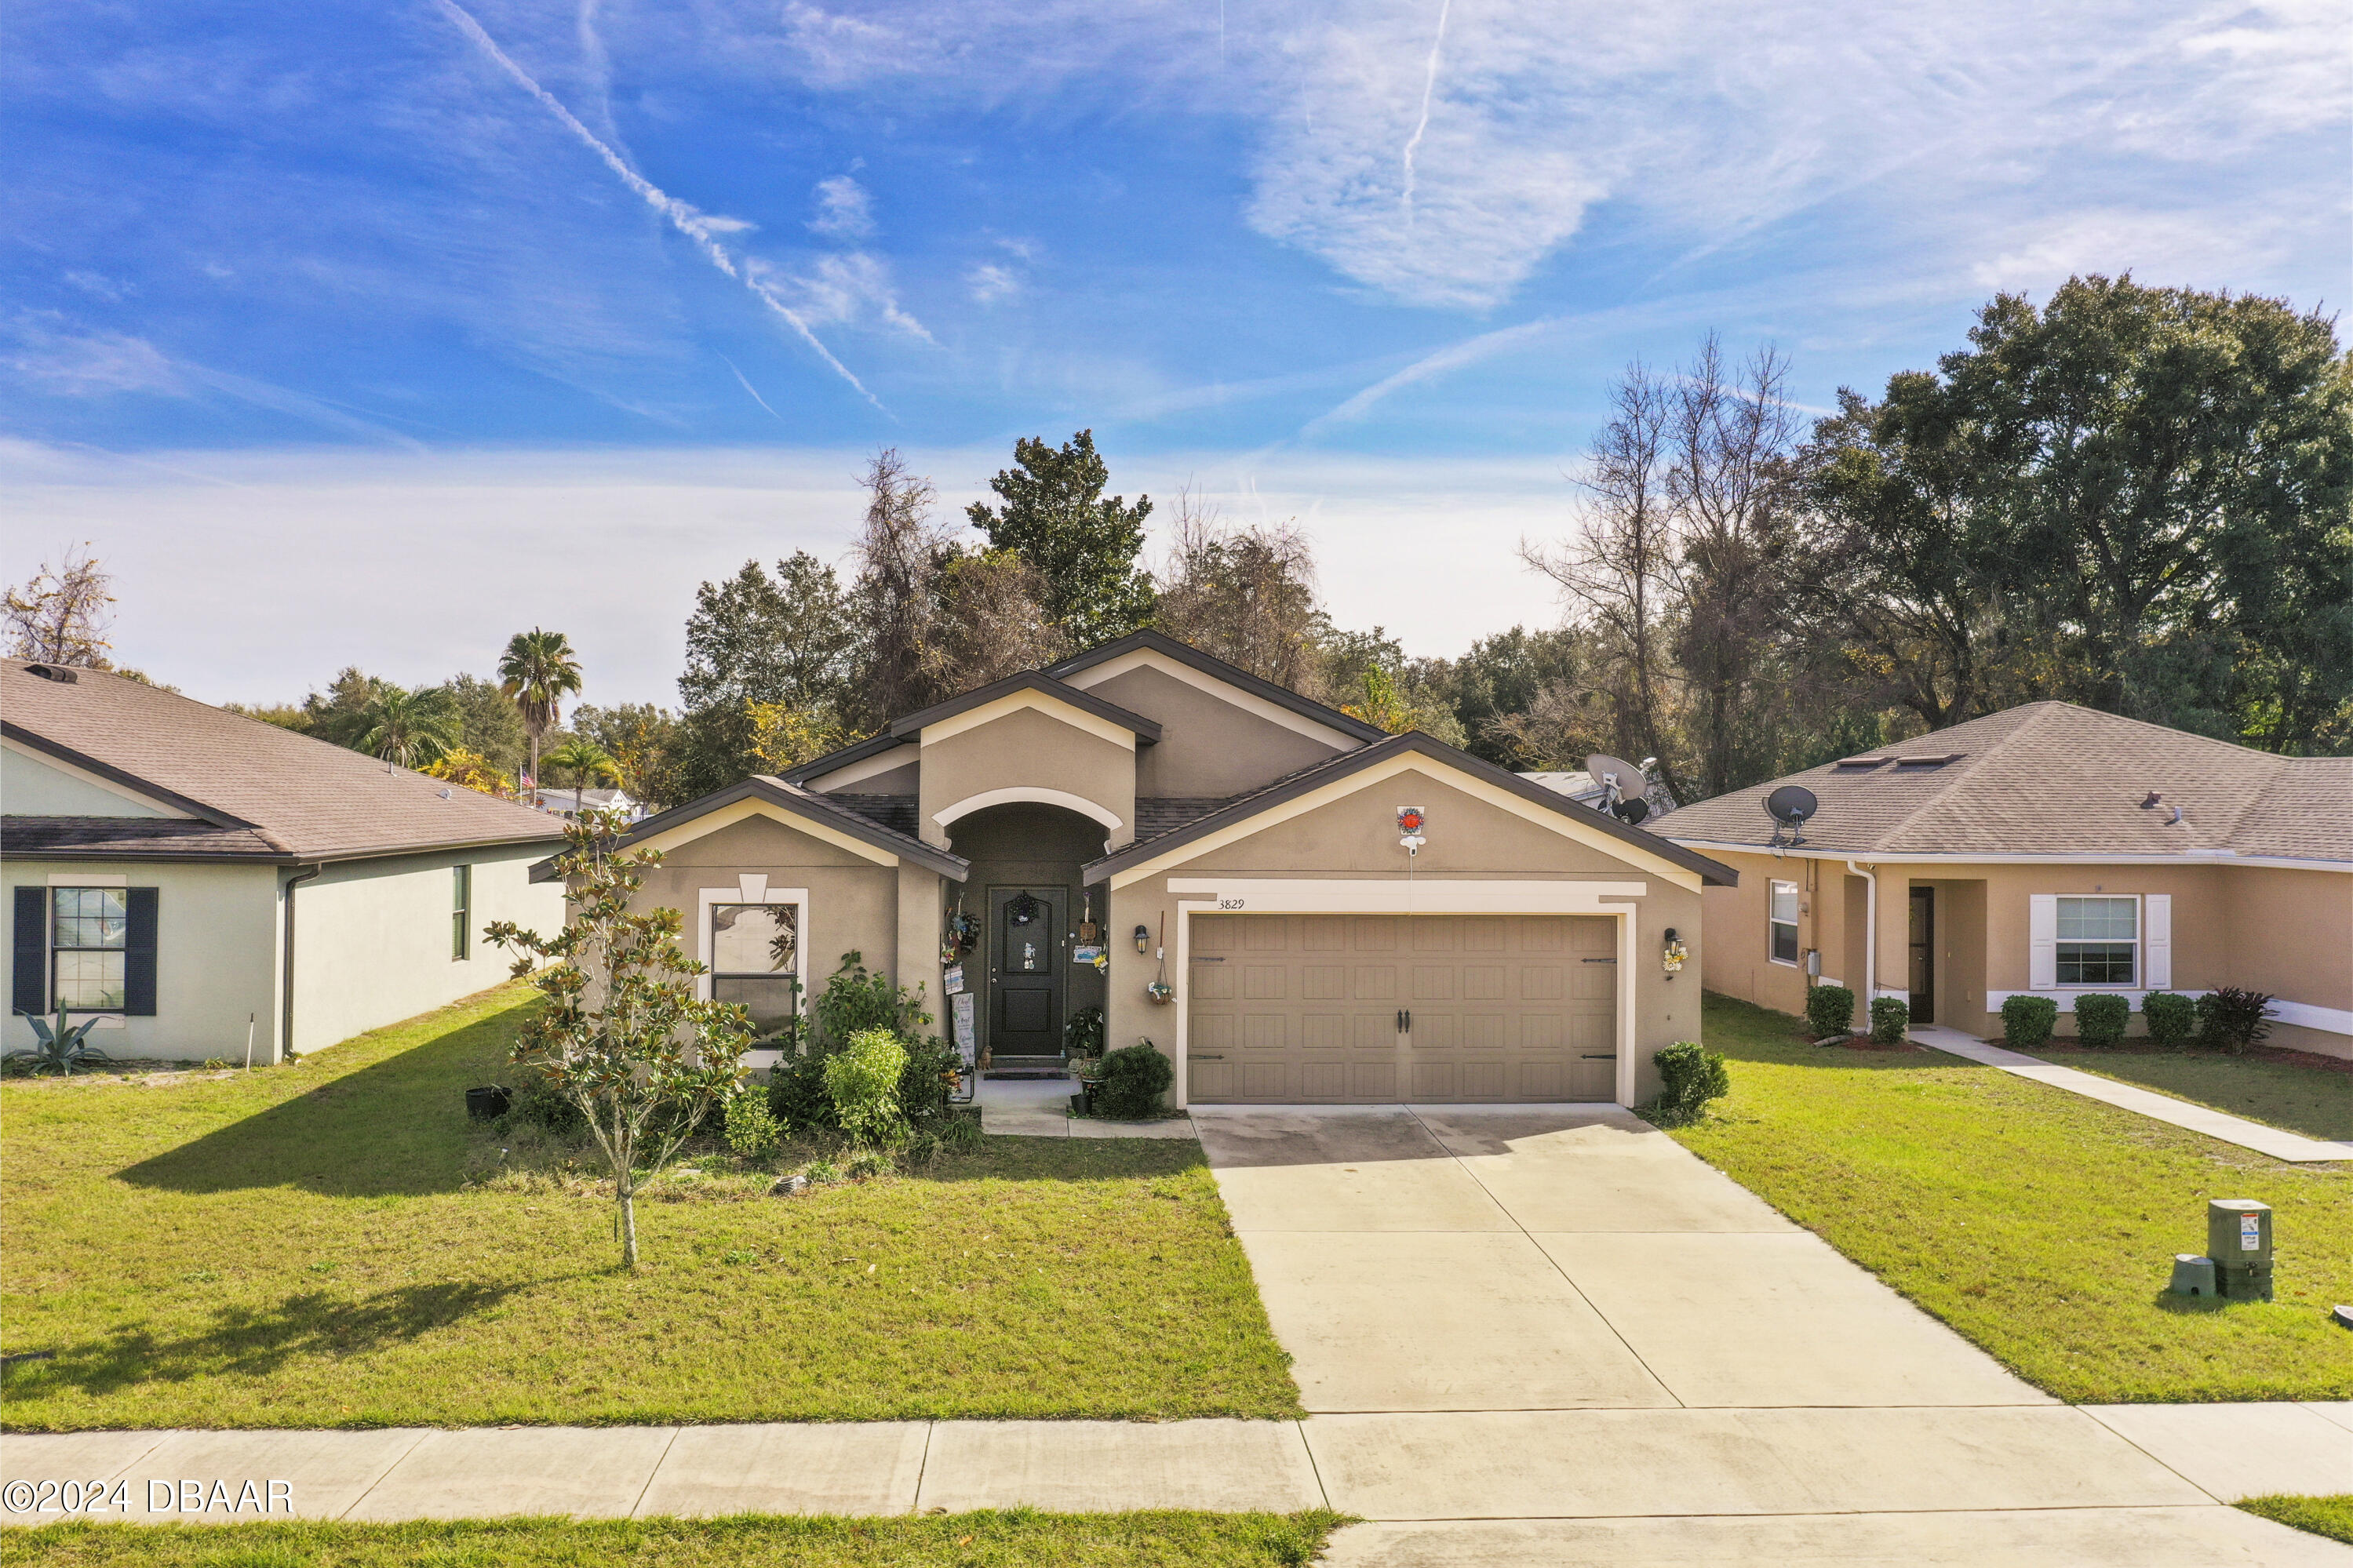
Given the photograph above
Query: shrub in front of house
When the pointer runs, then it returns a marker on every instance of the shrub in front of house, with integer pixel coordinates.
(1690, 1075)
(752, 1128)
(1829, 1010)
(2171, 1018)
(2027, 1021)
(2231, 1020)
(1133, 1078)
(1890, 1017)
(2100, 1019)
(861, 1079)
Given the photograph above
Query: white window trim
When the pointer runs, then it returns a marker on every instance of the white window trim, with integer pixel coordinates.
(752, 887)
(1796, 897)
(2139, 940)
(1397, 895)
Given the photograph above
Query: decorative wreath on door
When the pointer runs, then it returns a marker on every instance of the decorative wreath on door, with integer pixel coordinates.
(1023, 910)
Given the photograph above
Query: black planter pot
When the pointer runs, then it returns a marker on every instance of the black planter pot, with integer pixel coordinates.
(487, 1103)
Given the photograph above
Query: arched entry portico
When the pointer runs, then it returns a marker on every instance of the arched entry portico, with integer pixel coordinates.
(1024, 890)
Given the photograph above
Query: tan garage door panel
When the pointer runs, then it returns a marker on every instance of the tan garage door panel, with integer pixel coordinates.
(1314, 1008)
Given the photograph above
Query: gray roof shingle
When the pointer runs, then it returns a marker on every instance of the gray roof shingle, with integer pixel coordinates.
(2053, 778)
(304, 799)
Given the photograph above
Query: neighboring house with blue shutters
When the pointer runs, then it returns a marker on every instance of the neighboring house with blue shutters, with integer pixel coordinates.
(195, 879)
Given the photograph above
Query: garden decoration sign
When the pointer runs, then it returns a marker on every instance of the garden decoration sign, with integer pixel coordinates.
(1410, 822)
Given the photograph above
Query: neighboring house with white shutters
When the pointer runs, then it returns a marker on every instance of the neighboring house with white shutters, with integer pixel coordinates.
(2051, 851)
(195, 879)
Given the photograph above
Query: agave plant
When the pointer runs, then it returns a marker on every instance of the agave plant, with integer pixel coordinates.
(62, 1047)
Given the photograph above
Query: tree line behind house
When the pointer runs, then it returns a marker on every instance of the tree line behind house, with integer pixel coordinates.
(2132, 498)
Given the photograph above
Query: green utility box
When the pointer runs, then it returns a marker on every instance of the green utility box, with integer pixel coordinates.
(2239, 1240)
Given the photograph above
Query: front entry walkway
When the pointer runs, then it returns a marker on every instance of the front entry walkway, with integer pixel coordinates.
(2272, 1141)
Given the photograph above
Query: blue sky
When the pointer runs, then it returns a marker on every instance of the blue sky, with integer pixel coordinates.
(369, 333)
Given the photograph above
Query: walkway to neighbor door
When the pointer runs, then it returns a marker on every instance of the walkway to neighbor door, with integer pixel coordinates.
(1026, 972)
(1924, 955)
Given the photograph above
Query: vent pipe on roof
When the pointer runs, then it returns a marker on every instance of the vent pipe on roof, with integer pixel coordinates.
(2150, 803)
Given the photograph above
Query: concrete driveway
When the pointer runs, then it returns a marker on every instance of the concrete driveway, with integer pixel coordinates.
(1557, 1259)
(1545, 1335)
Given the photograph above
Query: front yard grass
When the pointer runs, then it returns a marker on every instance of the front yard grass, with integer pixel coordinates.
(2330, 1516)
(1020, 1538)
(2040, 1225)
(2313, 1101)
(300, 1247)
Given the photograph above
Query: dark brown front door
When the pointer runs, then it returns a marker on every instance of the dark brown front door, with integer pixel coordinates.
(1924, 955)
(1025, 970)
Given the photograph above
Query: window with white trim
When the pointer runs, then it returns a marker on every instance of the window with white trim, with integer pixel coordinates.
(756, 960)
(89, 938)
(2099, 941)
(1782, 922)
(461, 913)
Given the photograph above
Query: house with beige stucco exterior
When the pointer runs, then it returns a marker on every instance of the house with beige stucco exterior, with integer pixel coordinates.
(2049, 850)
(1219, 864)
(201, 882)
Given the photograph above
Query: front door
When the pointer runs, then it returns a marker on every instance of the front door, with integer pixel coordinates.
(1924, 955)
(1025, 970)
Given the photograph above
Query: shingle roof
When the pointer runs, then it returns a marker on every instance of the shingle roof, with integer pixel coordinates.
(2053, 778)
(303, 798)
(830, 810)
(132, 839)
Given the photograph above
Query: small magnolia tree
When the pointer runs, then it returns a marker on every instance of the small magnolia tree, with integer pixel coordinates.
(623, 1035)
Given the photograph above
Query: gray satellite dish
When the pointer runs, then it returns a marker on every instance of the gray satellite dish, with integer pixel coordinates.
(1619, 779)
(1790, 807)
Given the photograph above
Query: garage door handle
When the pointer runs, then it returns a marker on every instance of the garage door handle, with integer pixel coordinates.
(1405, 1020)
(1204, 1056)
(1598, 961)
(1610, 1056)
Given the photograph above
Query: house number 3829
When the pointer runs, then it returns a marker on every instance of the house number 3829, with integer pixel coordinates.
(1230, 903)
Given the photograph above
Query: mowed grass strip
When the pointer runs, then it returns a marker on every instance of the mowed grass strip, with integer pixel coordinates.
(1009, 1540)
(2330, 1516)
(296, 1246)
(2040, 1225)
(2315, 1102)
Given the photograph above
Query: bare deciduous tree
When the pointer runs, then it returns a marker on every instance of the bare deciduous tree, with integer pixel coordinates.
(897, 554)
(61, 615)
(988, 620)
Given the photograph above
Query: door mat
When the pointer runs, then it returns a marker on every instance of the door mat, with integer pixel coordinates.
(1001, 1077)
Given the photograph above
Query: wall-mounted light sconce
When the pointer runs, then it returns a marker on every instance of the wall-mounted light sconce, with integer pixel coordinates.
(1671, 957)
(1143, 938)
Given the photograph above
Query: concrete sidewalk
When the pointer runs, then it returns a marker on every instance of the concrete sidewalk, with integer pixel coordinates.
(2272, 1141)
(1040, 1108)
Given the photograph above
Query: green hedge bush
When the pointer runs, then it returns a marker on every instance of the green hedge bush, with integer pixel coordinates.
(2027, 1021)
(2101, 1019)
(2172, 1017)
(1890, 1017)
(1690, 1075)
(862, 1081)
(1133, 1079)
(1829, 1010)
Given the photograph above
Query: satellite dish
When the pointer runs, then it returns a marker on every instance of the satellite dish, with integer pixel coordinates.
(1632, 812)
(1620, 780)
(1789, 807)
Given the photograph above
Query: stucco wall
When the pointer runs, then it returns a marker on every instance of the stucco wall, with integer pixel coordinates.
(215, 959)
(1207, 746)
(2291, 933)
(1355, 839)
(32, 785)
(372, 938)
(853, 902)
(1027, 748)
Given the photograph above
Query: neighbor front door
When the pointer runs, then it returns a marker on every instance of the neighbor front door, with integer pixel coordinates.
(1025, 970)
(1924, 955)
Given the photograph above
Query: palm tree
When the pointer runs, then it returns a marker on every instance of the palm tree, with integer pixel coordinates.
(584, 758)
(409, 728)
(539, 670)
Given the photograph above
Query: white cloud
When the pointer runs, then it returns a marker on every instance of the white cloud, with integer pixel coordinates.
(849, 288)
(91, 365)
(2208, 249)
(844, 210)
(989, 283)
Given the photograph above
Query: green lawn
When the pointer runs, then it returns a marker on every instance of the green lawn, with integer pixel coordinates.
(2314, 1101)
(1016, 1540)
(302, 1246)
(2039, 1224)
(2328, 1516)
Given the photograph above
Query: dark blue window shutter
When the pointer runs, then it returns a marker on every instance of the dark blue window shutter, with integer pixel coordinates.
(138, 955)
(29, 989)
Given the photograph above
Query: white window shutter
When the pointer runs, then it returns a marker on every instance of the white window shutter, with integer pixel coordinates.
(2156, 941)
(2043, 942)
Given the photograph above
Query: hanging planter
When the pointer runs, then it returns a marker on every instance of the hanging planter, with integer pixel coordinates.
(1160, 992)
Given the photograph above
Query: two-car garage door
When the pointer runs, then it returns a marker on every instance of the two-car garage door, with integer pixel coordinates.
(1332, 1008)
